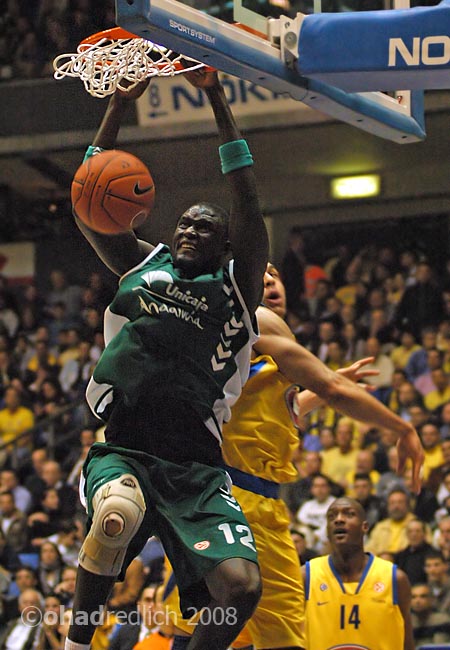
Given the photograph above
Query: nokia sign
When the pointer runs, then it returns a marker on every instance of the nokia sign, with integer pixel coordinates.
(430, 50)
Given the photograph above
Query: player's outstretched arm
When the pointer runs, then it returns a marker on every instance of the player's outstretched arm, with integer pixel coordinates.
(404, 602)
(248, 234)
(303, 368)
(123, 251)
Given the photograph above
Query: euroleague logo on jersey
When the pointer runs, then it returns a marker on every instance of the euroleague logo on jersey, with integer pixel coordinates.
(202, 546)
(378, 587)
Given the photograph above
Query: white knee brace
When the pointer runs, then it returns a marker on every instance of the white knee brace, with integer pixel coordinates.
(119, 509)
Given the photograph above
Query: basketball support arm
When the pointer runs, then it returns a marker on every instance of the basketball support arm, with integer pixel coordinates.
(272, 63)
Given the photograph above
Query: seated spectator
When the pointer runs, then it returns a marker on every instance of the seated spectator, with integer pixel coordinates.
(76, 373)
(16, 419)
(401, 354)
(34, 481)
(441, 539)
(339, 460)
(438, 579)
(68, 496)
(424, 382)
(304, 552)
(139, 633)
(62, 291)
(412, 559)
(408, 396)
(418, 362)
(313, 512)
(431, 442)
(389, 534)
(67, 539)
(441, 395)
(21, 632)
(65, 589)
(13, 523)
(383, 364)
(9, 482)
(49, 636)
(24, 578)
(444, 420)
(46, 520)
(73, 464)
(9, 558)
(125, 594)
(9, 371)
(365, 464)
(363, 492)
(50, 567)
(429, 626)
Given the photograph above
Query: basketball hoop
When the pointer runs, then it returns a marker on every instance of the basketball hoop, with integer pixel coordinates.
(117, 59)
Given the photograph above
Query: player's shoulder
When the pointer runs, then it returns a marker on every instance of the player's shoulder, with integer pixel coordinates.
(270, 323)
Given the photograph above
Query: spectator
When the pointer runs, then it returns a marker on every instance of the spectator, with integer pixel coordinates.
(34, 481)
(9, 482)
(46, 520)
(293, 270)
(299, 537)
(124, 594)
(66, 588)
(441, 395)
(21, 633)
(24, 578)
(407, 396)
(373, 505)
(62, 291)
(424, 382)
(49, 636)
(444, 420)
(365, 464)
(418, 362)
(438, 579)
(442, 537)
(390, 479)
(131, 634)
(13, 523)
(16, 419)
(52, 478)
(9, 372)
(382, 363)
(390, 533)
(437, 473)
(412, 559)
(340, 460)
(313, 512)
(421, 304)
(402, 353)
(50, 567)
(431, 442)
(9, 559)
(429, 626)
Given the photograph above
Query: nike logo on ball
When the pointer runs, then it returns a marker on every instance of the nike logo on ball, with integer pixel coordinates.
(141, 190)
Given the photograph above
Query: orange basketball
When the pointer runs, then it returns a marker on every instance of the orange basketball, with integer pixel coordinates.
(112, 192)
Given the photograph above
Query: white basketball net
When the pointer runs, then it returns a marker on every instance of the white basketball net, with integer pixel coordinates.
(121, 64)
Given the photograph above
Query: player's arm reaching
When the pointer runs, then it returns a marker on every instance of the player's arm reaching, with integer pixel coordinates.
(247, 231)
(123, 251)
(303, 368)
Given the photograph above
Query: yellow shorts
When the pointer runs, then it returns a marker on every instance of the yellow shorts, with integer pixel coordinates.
(278, 621)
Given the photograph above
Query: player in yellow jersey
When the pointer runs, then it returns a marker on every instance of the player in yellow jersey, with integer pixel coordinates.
(258, 446)
(354, 599)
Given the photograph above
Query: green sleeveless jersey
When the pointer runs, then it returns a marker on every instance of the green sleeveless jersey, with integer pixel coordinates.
(172, 341)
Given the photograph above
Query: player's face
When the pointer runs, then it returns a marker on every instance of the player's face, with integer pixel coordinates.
(199, 242)
(345, 525)
(274, 292)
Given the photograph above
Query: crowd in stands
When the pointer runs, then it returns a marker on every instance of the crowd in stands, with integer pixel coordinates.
(380, 302)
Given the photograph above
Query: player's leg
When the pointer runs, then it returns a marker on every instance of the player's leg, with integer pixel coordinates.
(211, 549)
(235, 588)
(116, 509)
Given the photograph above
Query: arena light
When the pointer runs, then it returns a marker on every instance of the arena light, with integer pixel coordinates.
(355, 187)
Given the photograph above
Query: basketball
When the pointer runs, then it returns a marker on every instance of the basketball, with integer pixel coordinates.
(112, 191)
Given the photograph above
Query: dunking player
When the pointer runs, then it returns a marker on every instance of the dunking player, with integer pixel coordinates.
(354, 599)
(164, 385)
(258, 445)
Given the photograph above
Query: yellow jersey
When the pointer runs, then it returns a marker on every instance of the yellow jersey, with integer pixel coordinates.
(260, 437)
(350, 615)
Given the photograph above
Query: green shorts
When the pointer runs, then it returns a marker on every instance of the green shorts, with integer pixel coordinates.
(189, 508)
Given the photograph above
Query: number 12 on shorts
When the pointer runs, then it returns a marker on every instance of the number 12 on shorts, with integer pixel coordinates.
(246, 539)
(353, 616)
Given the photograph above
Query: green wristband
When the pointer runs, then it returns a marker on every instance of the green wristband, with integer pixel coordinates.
(234, 155)
(91, 151)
